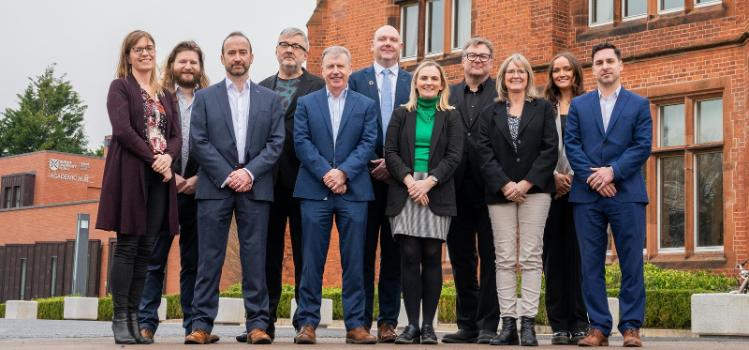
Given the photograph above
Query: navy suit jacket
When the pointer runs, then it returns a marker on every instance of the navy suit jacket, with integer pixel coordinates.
(313, 141)
(364, 82)
(625, 145)
(213, 142)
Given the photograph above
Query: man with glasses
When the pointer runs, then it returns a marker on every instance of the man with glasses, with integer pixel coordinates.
(477, 304)
(389, 86)
(291, 82)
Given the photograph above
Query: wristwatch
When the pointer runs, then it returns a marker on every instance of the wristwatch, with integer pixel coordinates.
(433, 178)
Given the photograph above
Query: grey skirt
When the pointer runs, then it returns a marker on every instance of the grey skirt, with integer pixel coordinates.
(418, 221)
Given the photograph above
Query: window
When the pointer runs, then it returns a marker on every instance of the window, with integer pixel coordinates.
(689, 171)
(17, 196)
(8, 200)
(601, 12)
(409, 29)
(461, 22)
(670, 5)
(698, 3)
(22, 285)
(634, 8)
(435, 32)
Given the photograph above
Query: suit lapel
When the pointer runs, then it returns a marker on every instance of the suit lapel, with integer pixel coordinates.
(439, 124)
(595, 106)
(529, 112)
(402, 88)
(253, 114)
(372, 86)
(500, 120)
(347, 107)
(411, 135)
(223, 102)
(460, 105)
(621, 100)
(322, 101)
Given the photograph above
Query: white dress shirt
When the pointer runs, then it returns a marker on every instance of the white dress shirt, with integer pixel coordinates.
(185, 109)
(393, 79)
(239, 102)
(607, 106)
(335, 106)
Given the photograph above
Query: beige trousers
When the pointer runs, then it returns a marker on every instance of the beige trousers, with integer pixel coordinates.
(525, 221)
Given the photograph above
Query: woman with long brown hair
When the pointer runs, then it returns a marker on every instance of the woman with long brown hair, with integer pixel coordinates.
(564, 299)
(138, 194)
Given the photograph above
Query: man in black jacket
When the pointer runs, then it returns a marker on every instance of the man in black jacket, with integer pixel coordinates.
(477, 305)
(291, 82)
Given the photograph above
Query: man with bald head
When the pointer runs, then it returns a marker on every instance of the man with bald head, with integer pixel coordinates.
(389, 86)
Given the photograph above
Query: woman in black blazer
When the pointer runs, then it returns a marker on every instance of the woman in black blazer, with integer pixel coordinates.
(518, 150)
(423, 146)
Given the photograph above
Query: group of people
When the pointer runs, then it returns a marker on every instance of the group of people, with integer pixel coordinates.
(492, 167)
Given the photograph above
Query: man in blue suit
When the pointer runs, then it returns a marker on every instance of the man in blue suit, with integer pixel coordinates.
(607, 139)
(334, 135)
(389, 86)
(237, 135)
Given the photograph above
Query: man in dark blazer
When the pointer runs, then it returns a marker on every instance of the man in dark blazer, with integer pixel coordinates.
(608, 138)
(334, 134)
(237, 136)
(184, 75)
(291, 82)
(389, 86)
(477, 308)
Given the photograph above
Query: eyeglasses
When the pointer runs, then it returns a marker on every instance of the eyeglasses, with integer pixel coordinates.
(138, 50)
(285, 45)
(516, 71)
(477, 57)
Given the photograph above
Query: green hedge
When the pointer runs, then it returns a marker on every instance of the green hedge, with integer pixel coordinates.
(50, 308)
(2, 310)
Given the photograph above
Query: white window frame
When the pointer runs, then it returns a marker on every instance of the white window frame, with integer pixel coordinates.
(706, 4)
(428, 31)
(661, 11)
(404, 57)
(667, 250)
(457, 46)
(590, 15)
(697, 248)
(632, 18)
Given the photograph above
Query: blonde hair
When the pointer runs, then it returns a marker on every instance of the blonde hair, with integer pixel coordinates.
(520, 60)
(124, 68)
(443, 104)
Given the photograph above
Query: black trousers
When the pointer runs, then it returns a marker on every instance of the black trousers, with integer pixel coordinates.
(561, 257)
(469, 242)
(389, 282)
(284, 207)
(421, 264)
(132, 252)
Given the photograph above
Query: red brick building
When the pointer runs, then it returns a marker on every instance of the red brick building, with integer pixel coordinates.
(689, 57)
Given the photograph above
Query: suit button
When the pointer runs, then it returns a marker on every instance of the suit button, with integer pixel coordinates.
(517, 160)
(468, 133)
(520, 141)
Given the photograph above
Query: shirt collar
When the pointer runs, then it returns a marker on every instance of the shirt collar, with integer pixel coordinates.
(230, 85)
(615, 95)
(378, 69)
(480, 88)
(342, 95)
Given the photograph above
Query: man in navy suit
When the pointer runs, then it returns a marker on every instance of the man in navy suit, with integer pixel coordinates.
(389, 86)
(237, 135)
(334, 135)
(607, 139)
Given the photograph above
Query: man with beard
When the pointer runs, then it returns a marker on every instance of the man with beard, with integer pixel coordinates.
(291, 82)
(389, 86)
(183, 75)
(470, 239)
(237, 136)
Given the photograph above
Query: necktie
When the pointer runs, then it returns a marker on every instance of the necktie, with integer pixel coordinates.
(386, 101)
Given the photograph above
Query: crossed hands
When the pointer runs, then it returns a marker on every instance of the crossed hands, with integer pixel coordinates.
(602, 181)
(563, 184)
(186, 186)
(335, 179)
(380, 171)
(516, 191)
(418, 190)
(162, 164)
(239, 180)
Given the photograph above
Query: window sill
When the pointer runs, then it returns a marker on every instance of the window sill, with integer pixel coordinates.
(444, 59)
(699, 260)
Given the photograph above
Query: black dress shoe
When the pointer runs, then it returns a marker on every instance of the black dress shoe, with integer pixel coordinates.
(577, 336)
(485, 336)
(242, 338)
(528, 331)
(427, 334)
(410, 335)
(509, 333)
(560, 338)
(462, 336)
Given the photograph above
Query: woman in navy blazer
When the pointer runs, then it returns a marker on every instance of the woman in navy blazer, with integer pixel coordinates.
(138, 195)
(518, 150)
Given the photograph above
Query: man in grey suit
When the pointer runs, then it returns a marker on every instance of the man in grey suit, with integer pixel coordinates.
(237, 135)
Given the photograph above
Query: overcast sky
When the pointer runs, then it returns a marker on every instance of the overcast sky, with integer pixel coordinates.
(84, 36)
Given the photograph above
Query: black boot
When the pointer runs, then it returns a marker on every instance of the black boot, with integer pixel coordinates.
(410, 335)
(509, 333)
(132, 326)
(427, 334)
(121, 331)
(528, 331)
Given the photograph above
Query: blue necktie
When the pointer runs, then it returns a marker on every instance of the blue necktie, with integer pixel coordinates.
(386, 101)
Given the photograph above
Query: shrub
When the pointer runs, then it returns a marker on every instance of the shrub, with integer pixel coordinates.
(2, 310)
(50, 308)
(105, 309)
(173, 307)
(657, 278)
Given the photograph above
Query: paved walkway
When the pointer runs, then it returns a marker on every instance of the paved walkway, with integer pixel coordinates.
(84, 335)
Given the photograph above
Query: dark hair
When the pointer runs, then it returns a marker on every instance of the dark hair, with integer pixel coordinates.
(169, 79)
(604, 46)
(233, 34)
(551, 92)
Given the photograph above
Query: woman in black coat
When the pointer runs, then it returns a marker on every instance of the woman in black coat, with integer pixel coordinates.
(423, 147)
(138, 194)
(518, 150)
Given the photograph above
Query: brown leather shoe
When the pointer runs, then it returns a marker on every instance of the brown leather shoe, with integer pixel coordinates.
(594, 338)
(632, 338)
(200, 336)
(360, 335)
(258, 336)
(146, 333)
(306, 335)
(386, 333)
